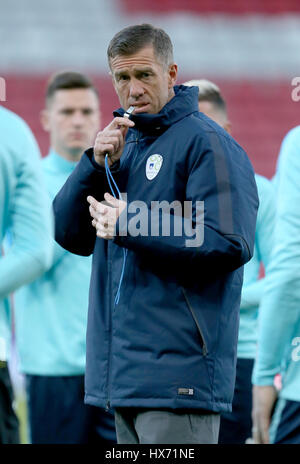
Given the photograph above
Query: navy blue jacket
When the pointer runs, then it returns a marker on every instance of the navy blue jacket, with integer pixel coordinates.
(171, 340)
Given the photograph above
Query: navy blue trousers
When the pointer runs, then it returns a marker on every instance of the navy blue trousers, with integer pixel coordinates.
(288, 429)
(58, 415)
(236, 426)
(9, 424)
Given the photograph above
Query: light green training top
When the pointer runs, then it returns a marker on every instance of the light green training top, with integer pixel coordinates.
(25, 212)
(51, 313)
(279, 312)
(253, 287)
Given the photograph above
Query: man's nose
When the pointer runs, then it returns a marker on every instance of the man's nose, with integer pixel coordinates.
(78, 118)
(136, 89)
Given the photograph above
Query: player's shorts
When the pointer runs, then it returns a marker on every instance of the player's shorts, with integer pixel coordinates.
(58, 415)
(285, 427)
(236, 426)
(9, 424)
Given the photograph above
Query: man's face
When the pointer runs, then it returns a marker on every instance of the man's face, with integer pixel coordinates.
(72, 118)
(219, 117)
(142, 81)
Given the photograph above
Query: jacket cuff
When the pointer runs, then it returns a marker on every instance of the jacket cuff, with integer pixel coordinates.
(90, 153)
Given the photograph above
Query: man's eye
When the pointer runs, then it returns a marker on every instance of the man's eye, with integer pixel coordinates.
(67, 112)
(122, 78)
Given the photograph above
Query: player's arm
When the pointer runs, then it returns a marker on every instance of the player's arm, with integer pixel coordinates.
(252, 293)
(25, 202)
(280, 307)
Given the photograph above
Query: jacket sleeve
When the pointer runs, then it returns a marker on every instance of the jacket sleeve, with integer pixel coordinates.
(279, 311)
(222, 190)
(73, 223)
(26, 214)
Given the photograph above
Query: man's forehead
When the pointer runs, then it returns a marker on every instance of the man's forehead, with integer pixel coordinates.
(75, 97)
(143, 58)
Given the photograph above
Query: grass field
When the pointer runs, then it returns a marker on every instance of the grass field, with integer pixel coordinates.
(21, 410)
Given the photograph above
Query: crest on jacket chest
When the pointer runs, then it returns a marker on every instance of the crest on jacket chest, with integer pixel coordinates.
(153, 165)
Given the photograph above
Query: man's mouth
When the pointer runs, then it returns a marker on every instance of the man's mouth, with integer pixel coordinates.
(77, 135)
(141, 107)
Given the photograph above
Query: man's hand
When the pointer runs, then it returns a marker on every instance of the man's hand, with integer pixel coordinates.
(111, 141)
(105, 215)
(264, 398)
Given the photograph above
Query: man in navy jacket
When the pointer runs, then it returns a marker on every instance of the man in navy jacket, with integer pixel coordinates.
(164, 305)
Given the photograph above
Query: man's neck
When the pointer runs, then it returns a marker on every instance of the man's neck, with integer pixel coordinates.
(73, 156)
(171, 94)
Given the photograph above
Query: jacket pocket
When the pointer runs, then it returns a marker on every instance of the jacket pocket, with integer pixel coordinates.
(193, 314)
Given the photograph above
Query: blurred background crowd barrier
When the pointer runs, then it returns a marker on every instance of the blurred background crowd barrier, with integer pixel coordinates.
(249, 48)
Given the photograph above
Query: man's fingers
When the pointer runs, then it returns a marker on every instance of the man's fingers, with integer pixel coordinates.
(112, 201)
(104, 232)
(118, 122)
(96, 208)
(111, 141)
(116, 134)
(122, 125)
(111, 133)
(116, 140)
(92, 201)
(105, 214)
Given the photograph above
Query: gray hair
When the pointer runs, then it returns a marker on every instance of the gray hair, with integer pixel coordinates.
(134, 38)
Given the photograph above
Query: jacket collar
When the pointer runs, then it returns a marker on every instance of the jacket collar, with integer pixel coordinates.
(181, 105)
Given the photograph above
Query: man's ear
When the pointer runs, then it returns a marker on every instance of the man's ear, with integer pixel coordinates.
(44, 119)
(173, 69)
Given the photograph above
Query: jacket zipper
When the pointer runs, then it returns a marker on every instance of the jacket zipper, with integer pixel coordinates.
(130, 159)
(111, 314)
(203, 344)
(136, 151)
(110, 328)
(107, 407)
